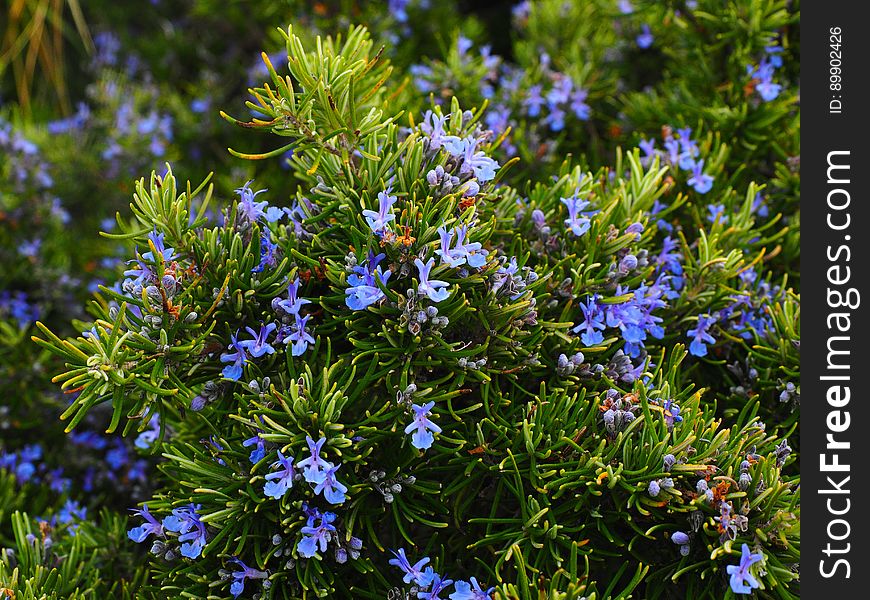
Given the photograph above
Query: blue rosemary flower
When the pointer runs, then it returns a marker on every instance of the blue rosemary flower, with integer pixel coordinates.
(259, 451)
(742, 581)
(251, 211)
(436, 586)
(593, 321)
(314, 466)
(238, 358)
(578, 104)
(433, 126)
(645, 37)
(435, 289)
(151, 526)
(239, 577)
(296, 335)
(378, 221)
(534, 101)
(363, 290)
(280, 481)
(702, 182)
(292, 303)
(412, 572)
(316, 537)
(471, 591)
(671, 413)
(700, 336)
(421, 427)
(333, 490)
(186, 522)
(648, 147)
(476, 161)
(577, 221)
(446, 252)
(462, 252)
(267, 252)
(259, 346)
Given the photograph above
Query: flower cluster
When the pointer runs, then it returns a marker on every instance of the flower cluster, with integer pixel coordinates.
(761, 75)
(184, 522)
(316, 471)
(682, 152)
(430, 585)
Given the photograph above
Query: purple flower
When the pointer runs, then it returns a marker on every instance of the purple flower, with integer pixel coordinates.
(251, 211)
(671, 413)
(471, 591)
(700, 336)
(267, 252)
(477, 161)
(259, 452)
(157, 241)
(648, 147)
(239, 577)
(422, 427)
(699, 180)
(314, 465)
(433, 126)
(768, 90)
(556, 119)
(59, 483)
(297, 335)
(314, 537)
(436, 586)
(462, 252)
(412, 572)
(118, 456)
(259, 346)
(445, 252)
(577, 222)
(578, 104)
(669, 261)
(187, 522)
(363, 290)
(560, 92)
(672, 150)
(292, 303)
(593, 319)
(238, 358)
(742, 581)
(150, 527)
(463, 45)
(280, 481)
(645, 38)
(773, 55)
(29, 249)
(759, 206)
(435, 289)
(378, 221)
(333, 490)
(69, 513)
(534, 101)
